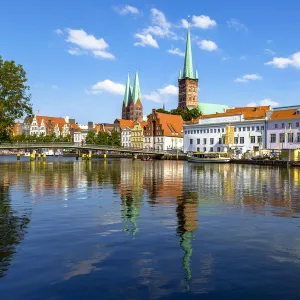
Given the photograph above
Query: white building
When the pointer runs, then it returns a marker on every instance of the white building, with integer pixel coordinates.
(238, 130)
(126, 137)
(163, 132)
(283, 128)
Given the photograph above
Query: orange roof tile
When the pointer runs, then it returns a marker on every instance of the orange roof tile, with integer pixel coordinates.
(126, 123)
(53, 120)
(172, 125)
(284, 114)
(250, 113)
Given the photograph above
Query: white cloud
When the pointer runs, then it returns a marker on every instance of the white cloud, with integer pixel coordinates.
(270, 52)
(153, 96)
(176, 51)
(236, 24)
(207, 45)
(159, 19)
(284, 62)
(184, 23)
(107, 86)
(225, 58)
(170, 90)
(264, 102)
(85, 42)
(269, 41)
(203, 22)
(127, 9)
(146, 40)
(161, 95)
(248, 77)
(58, 31)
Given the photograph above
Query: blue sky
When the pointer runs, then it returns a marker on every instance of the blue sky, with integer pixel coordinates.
(77, 53)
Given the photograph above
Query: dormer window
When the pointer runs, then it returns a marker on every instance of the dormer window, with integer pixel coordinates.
(298, 112)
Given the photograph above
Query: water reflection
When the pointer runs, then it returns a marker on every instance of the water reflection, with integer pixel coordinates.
(150, 211)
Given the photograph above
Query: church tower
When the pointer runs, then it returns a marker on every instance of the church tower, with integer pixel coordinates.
(135, 106)
(127, 99)
(187, 81)
(132, 107)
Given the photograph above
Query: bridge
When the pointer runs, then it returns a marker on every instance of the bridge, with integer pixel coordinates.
(83, 148)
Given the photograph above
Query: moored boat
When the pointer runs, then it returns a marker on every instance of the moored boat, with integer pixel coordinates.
(209, 157)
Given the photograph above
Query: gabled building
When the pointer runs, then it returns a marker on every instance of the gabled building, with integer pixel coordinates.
(132, 107)
(137, 135)
(124, 127)
(163, 132)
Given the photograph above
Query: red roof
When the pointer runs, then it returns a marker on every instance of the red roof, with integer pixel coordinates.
(172, 125)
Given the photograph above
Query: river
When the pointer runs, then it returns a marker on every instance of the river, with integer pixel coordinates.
(123, 229)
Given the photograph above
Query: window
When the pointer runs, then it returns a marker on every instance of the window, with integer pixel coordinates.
(220, 140)
(211, 141)
(290, 137)
(298, 137)
(235, 129)
(276, 125)
(297, 124)
(194, 131)
(242, 140)
(198, 149)
(248, 128)
(244, 128)
(198, 141)
(257, 128)
(252, 138)
(252, 128)
(262, 127)
(215, 130)
(223, 130)
(200, 131)
(211, 131)
(236, 140)
(211, 149)
(185, 132)
(197, 131)
(273, 138)
(259, 139)
(282, 125)
(240, 129)
(290, 125)
(219, 130)
(204, 141)
(218, 149)
(188, 132)
(204, 149)
(281, 138)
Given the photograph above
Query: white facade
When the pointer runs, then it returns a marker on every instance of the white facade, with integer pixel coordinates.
(209, 135)
(36, 129)
(165, 143)
(80, 136)
(126, 137)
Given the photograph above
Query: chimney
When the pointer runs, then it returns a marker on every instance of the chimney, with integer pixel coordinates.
(72, 121)
(90, 125)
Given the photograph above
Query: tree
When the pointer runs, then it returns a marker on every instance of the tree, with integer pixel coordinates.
(14, 97)
(114, 139)
(91, 137)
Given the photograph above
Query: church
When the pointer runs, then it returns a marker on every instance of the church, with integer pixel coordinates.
(132, 108)
(188, 85)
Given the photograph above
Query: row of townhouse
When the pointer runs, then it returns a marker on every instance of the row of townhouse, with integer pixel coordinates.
(160, 132)
(244, 129)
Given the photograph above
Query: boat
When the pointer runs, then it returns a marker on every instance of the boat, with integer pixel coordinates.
(209, 157)
(27, 154)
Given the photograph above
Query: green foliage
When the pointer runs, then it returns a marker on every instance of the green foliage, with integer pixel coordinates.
(14, 97)
(103, 138)
(186, 114)
(163, 111)
(22, 138)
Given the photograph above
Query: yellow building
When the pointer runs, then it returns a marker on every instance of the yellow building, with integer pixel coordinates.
(137, 135)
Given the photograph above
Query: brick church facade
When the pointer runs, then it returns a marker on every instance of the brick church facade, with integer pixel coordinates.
(132, 107)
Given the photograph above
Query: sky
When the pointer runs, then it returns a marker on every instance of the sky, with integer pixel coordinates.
(77, 54)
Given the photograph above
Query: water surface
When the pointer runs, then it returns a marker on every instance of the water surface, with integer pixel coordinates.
(122, 229)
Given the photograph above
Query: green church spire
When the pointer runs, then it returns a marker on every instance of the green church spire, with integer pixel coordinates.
(127, 94)
(188, 60)
(136, 93)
